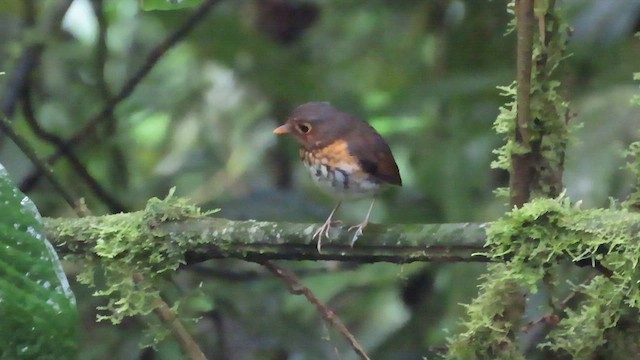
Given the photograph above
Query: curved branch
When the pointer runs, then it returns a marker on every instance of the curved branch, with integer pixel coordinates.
(297, 288)
(30, 153)
(168, 315)
(76, 164)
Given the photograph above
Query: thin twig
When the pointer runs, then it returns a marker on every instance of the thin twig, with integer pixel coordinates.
(98, 190)
(296, 288)
(178, 330)
(24, 146)
(127, 89)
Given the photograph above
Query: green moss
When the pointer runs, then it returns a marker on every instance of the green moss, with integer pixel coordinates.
(505, 124)
(583, 330)
(489, 333)
(130, 255)
(533, 241)
(633, 161)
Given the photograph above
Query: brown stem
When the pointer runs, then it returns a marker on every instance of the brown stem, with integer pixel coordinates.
(296, 288)
(522, 163)
(175, 325)
(98, 190)
(26, 149)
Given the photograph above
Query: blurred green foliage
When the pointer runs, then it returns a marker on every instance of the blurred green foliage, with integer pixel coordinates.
(424, 73)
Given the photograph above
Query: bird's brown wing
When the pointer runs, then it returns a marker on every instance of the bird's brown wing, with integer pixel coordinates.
(374, 154)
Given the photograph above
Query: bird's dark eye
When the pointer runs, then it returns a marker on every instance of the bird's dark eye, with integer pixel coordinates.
(304, 128)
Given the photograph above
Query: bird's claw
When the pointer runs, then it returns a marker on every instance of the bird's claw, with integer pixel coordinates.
(359, 230)
(323, 231)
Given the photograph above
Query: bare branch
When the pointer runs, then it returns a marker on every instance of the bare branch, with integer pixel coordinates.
(186, 341)
(98, 190)
(24, 146)
(296, 288)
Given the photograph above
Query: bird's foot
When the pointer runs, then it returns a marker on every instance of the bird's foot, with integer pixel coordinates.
(323, 231)
(359, 229)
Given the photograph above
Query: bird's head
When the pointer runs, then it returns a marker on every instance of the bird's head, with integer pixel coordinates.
(315, 124)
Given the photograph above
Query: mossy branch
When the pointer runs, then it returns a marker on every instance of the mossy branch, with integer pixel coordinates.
(535, 118)
(171, 233)
(203, 238)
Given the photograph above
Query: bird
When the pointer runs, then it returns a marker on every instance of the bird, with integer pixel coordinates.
(345, 156)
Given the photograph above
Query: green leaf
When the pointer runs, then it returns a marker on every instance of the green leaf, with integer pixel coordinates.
(37, 308)
(148, 5)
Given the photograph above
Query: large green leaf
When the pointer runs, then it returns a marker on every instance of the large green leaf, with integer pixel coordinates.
(168, 4)
(38, 315)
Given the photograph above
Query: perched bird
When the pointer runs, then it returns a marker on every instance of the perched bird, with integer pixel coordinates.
(345, 156)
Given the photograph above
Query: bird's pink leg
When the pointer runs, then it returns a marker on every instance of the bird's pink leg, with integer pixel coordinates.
(324, 229)
(362, 225)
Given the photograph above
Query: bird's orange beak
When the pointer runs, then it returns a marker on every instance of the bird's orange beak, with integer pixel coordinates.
(283, 129)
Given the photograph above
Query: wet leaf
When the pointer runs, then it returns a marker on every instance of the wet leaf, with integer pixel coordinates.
(37, 307)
